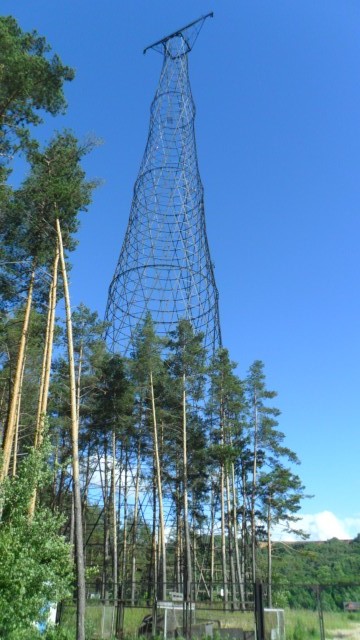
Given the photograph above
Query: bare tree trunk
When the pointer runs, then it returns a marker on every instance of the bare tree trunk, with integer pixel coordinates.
(106, 532)
(188, 569)
(253, 493)
(244, 531)
(18, 412)
(135, 525)
(125, 521)
(212, 542)
(153, 570)
(269, 550)
(162, 593)
(49, 339)
(230, 541)
(46, 366)
(178, 545)
(223, 534)
(79, 548)
(114, 519)
(72, 527)
(11, 421)
(236, 541)
(195, 565)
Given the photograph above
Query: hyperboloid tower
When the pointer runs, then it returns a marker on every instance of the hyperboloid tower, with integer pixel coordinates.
(164, 266)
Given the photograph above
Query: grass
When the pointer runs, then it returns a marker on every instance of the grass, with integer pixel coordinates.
(304, 624)
(299, 624)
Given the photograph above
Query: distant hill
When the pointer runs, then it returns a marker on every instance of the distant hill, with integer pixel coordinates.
(334, 564)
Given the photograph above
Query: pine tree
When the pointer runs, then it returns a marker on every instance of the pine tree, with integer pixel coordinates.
(186, 365)
(227, 412)
(148, 373)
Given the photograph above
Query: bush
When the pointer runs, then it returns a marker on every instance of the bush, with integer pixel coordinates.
(35, 567)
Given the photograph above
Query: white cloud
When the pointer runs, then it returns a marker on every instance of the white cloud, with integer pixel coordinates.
(323, 526)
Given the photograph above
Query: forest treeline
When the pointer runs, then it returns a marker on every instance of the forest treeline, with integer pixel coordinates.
(156, 472)
(334, 565)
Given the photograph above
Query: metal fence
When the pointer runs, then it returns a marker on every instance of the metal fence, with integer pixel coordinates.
(295, 612)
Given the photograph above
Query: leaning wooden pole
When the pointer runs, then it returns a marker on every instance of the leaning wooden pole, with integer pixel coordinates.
(47, 357)
(46, 366)
(11, 421)
(17, 426)
(79, 548)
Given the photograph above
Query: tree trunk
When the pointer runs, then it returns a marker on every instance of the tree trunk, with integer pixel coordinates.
(253, 493)
(212, 542)
(79, 549)
(106, 531)
(162, 591)
(230, 541)
(187, 563)
(223, 535)
(244, 529)
(46, 366)
(49, 339)
(17, 427)
(236, 541)
(114, 519)
(135, 525)
(152, 574)
(125, 521)
(269, 546)
(178, 544)
(11, 421)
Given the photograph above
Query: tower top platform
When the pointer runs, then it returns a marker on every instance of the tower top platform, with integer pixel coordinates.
(185, 37)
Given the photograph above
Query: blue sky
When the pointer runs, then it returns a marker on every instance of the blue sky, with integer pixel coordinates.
(276, 86)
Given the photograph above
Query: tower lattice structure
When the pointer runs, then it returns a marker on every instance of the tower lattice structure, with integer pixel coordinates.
(164, 267)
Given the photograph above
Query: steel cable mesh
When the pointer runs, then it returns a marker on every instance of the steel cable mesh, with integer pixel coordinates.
(164, 266)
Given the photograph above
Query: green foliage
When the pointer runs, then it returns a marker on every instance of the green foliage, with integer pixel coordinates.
(30, 82)
(334, 564)
(35, 567)
(55, 188)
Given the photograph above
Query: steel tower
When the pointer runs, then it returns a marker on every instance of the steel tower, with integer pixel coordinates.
(164, 266)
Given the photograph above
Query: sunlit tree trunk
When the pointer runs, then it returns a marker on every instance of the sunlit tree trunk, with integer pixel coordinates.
(153, 569)
(46, 365)
(104, 475)
(125, 519)
(230, 541)
(162, 541)
(236, 539)
(11, 420)
(253, 493)
(79, 549)
(188, 568)
(269, 552)
(223, 533)
(49, 339)
(114, 519)
(212, 543)
(135, 526)
(17, 427)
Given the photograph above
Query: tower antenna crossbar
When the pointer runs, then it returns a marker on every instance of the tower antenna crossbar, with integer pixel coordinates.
(180, 32)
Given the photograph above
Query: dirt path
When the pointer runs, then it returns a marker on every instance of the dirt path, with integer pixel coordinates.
(348, 634)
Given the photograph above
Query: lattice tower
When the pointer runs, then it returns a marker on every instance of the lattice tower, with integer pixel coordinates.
(164, 266)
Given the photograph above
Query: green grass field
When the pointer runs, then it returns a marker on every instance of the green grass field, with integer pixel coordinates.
(299, 624)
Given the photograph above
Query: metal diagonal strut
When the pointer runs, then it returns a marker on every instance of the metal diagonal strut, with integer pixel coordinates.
(164, 267)
(189, 33)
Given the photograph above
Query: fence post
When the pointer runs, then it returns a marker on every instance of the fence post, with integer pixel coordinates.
(320, 612)
(259, 611)
(119, 629)
(154, 618)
